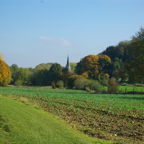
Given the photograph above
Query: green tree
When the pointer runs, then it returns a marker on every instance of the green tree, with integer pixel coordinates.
(119, 51)
(20, 76)
(123, 74)
(43, 65)
(104, 66)
(111, 51)
(136, 65)
(14, 73)
(118, 64)
(78, 68)
(24, 76)
(54, 71)
(73, 65)
(116, 74)
(41, 76)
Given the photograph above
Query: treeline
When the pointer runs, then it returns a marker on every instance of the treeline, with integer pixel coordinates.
(42, 74)
(125, 62)
(109, 63)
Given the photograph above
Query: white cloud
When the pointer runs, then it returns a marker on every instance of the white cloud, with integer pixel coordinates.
(60, 41)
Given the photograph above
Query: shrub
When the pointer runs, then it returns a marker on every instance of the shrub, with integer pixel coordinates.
(97, 87)
(60, 84)
(71, 80)
(94, 85)
(112, 85)
(80, 84)
(53, 84)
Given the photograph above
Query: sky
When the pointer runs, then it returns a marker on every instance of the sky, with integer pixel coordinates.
(43, 31)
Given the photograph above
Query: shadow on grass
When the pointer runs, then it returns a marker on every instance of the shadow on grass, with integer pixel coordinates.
(132, 97)
(125, 96)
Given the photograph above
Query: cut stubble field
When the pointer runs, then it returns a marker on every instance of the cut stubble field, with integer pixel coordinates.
(114, 117)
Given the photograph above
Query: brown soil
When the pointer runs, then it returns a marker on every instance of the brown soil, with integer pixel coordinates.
(98, 123)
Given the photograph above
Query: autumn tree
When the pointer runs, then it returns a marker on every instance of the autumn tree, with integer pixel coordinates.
(90, 65)
(94, 66)
(5, 73)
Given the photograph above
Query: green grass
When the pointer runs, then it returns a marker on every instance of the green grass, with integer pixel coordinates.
(22, 123)
(131, 88)
(128, 88)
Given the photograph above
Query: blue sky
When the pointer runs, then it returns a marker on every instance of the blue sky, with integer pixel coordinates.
(42, 31)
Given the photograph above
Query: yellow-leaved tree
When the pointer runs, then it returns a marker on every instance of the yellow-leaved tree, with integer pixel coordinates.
(94, 67)
(90, 65)
(104, 60)
(5, 73)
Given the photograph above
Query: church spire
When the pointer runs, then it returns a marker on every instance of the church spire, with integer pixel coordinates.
(68, 64)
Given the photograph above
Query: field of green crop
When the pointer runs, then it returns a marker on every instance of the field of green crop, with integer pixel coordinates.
(116, 117)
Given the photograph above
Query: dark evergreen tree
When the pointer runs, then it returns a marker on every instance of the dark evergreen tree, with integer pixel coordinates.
(54, 71)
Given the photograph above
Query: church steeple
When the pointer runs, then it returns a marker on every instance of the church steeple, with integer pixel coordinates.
(68, 64)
